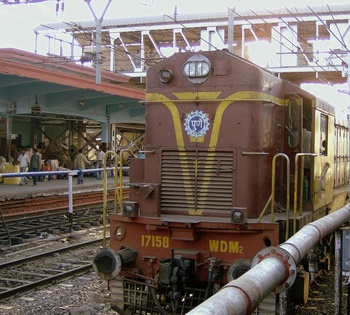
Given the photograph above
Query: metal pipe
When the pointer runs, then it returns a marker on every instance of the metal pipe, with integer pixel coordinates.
(70, 199)
(264, 210)
(274, 269)
(296, 187)
(241, 296)
(300, 243)
(44, 173)
(120, 175)
(273, 188)
(104, 204)
(104, 218)
(116, 193)
(121, 172)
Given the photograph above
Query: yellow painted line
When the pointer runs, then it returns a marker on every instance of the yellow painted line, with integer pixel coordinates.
(174, 113)
(200, 97)
(193, 96)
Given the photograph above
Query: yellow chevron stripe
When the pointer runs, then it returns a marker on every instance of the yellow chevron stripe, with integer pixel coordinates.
(206, 96)
(174, 113)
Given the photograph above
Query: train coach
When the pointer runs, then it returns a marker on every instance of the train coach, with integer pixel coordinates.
(235, 160)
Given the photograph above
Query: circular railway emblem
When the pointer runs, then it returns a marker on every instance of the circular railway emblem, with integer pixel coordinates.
(196, 124)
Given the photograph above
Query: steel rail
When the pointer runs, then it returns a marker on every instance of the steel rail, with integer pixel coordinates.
(47, 253)
(274, 268)
(18, 227)
(35, 284)
(82, 268)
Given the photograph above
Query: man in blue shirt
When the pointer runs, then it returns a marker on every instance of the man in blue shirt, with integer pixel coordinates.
(35, 165)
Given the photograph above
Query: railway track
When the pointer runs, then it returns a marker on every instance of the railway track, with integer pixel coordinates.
(26, 206)
(15, 230)
(22, 275)
(28, 218)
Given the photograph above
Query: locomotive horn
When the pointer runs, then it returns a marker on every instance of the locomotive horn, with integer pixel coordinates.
(108, 263)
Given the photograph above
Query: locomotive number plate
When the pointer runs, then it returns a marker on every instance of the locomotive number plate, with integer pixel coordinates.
(154, 241)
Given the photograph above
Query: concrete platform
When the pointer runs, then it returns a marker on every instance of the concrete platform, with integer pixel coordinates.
(55, 187)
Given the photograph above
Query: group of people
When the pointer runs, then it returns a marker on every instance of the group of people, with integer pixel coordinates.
(33, 164)
(81, 162)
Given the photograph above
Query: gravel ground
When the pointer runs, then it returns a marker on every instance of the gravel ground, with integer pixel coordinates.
(322, 296)
(78, 296)
(83, 295)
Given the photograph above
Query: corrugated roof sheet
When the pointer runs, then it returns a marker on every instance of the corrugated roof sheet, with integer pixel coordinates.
(240, 15)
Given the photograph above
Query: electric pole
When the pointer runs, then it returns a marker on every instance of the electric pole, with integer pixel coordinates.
(98, 39)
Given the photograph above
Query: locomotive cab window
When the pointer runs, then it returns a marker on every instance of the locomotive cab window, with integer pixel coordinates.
(293, 123)
(323, 134)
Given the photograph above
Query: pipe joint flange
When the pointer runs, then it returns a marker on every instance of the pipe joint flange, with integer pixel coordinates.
(286, 258)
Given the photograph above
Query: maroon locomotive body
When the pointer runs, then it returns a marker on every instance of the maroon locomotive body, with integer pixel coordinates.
(234, 160)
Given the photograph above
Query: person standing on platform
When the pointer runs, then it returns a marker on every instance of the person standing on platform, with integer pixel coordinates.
(46, 167)
(100, 157)
(23, 161)
(80, 163)
(35, 165)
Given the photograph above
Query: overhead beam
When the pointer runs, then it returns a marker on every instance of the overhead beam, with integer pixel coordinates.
(204, 31)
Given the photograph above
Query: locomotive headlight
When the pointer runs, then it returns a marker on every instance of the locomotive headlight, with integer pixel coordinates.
(239, 215)
(165, 75)
(197, 69)
(130, 209)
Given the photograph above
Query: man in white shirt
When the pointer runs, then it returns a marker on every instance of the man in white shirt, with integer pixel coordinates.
(99, 164)
(80, 163)
(23, 161)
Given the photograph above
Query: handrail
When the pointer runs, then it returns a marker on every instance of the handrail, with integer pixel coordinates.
(296, 187)
(264, 210)
(116, 196)
(273, 184)
(121, 171)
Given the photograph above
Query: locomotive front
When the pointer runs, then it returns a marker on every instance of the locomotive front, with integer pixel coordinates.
(191, 222)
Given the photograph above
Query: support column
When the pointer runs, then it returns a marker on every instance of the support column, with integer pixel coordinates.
(104, 136)
(5, 136)
(230, 30)
(34, 136)
(70, 133)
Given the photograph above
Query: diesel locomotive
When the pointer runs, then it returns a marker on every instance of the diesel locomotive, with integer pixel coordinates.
(235, 160)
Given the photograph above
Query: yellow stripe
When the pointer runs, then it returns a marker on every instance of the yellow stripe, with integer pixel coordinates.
(239, 96)
(178, 134)
(193, 96)
(205, 96)
(174, 113)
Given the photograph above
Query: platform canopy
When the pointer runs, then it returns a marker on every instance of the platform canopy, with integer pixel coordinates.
(34, 85)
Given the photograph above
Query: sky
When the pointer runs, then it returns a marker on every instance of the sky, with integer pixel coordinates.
(18, 21)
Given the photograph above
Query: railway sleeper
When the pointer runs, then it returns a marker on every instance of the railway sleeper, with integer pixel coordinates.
(13, 241)
(28, 235)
